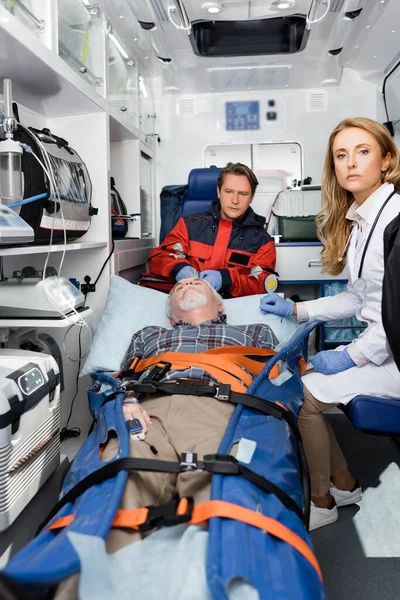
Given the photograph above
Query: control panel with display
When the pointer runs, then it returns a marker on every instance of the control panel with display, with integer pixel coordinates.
(242, 116)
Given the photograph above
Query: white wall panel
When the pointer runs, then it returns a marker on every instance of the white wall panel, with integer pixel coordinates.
(184, 137)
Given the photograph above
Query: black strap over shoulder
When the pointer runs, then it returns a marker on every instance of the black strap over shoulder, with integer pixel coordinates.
(220, 391)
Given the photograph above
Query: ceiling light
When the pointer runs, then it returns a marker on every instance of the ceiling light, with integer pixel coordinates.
(283, 4)
(142, 87)
(212, 8)
(329, 81)
(118, 45)
(242, 67)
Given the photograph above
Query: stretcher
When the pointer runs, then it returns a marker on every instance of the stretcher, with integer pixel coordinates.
(261, 506)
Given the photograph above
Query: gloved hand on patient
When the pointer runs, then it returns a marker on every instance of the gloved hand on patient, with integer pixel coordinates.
(186, 272)
(214, 278)
(330, 362)
(273, 303)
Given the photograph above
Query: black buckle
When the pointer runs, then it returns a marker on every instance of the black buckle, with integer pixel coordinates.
(156, 373)
(223, 464)
(222, 392)
(165, 515)
(188, 462)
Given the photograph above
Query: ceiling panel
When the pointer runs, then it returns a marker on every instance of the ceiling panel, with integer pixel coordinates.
(249, 78)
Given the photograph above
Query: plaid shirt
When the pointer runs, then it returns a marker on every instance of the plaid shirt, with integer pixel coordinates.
(186, 337)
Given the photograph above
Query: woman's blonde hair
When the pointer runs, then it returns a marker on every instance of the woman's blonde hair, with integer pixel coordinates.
(333, 227)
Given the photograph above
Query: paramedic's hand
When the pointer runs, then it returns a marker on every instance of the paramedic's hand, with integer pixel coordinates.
(136, 411)
(330, 362)
(186, 272)
(272, 303)
(214, 278)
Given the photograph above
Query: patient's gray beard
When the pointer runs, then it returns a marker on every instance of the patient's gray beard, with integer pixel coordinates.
(191, 300)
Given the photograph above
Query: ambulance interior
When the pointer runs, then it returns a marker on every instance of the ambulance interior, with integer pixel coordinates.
(145, 91)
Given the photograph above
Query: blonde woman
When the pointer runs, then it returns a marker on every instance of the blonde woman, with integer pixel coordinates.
(359, 187)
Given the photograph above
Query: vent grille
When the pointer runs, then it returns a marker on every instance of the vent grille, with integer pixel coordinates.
(13, 486)
(316, 101)
(336, 6)
(251, 78)
(185, 107)
(160, 11)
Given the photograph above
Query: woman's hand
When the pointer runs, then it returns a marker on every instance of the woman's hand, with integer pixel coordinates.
(136, 411)
(330, 362)
(273, 303)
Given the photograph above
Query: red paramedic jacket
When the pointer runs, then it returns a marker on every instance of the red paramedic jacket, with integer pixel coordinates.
(241, 250)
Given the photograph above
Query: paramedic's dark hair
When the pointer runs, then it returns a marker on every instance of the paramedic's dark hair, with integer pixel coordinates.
(238, 169)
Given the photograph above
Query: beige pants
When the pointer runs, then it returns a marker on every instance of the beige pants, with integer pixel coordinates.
(180, 423)
(323, 453)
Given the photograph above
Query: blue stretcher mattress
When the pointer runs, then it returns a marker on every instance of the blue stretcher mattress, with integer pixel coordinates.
(274, 567)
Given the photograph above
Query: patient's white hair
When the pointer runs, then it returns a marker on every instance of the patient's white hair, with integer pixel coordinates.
(169, 299)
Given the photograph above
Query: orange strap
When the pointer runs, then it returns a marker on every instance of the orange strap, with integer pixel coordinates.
(303, 366)
(230, 365)
(133, 519)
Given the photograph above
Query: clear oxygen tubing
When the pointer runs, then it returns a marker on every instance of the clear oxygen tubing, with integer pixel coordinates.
(48, 169)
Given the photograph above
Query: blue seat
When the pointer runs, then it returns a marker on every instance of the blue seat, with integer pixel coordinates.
(202, 190)
(374, 415)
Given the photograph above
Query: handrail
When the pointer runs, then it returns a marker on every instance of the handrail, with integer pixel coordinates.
(81, 67)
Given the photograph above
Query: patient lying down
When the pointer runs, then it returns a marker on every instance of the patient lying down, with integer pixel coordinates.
(195, 311)
(177, 423)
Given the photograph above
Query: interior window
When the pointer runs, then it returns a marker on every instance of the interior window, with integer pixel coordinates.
(277, 166)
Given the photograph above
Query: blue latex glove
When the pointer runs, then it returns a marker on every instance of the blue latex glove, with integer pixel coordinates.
(214, 278)
(330, 362)
(186, 272)
(272, 303)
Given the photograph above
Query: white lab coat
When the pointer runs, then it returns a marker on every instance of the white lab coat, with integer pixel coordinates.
(380, 376)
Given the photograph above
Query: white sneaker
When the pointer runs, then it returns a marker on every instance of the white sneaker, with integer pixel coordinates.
(346, 497)
(319, 517)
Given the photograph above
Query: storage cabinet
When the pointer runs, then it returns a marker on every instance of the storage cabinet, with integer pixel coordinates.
(29, 12)
(81, 40)
(300, 262)
(123, 84)
(69, 77)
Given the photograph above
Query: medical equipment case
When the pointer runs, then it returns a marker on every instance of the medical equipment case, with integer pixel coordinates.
(71, 209)
(295, 211)
(297, 229)
(29, 427)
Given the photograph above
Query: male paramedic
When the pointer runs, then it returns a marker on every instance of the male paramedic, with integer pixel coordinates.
(178, 423)
(227, 245)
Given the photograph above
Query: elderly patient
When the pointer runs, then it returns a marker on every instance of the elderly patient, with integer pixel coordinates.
(177, 423)
(195, 311)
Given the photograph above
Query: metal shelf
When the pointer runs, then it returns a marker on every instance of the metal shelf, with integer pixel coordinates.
(58, 322)
(23, 250)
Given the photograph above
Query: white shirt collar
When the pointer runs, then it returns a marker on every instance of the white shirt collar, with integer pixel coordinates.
(369, 209)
